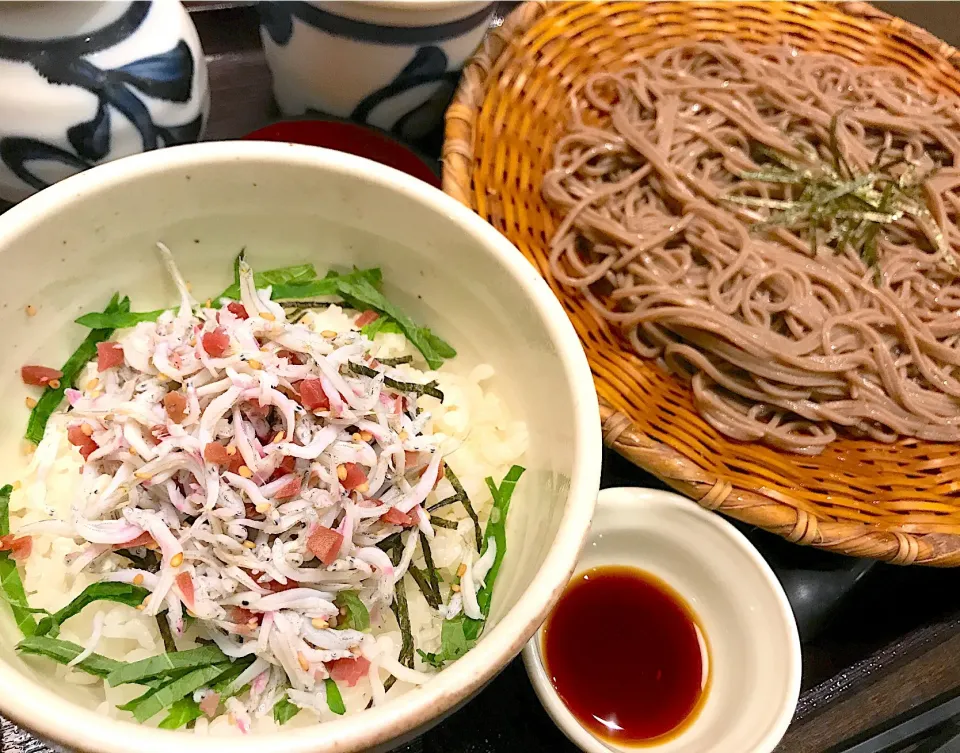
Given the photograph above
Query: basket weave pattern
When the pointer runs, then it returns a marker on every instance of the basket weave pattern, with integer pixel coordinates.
(899, 502)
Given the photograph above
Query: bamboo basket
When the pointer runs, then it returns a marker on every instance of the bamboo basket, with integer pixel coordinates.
(899, 503)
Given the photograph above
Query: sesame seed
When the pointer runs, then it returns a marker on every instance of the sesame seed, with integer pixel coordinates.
(254, 364)
(363, 488)
(142, 474)
(54, 384)
(249, 545)
(328, 333)
(31, 310)
(252, 622)
(403, 436)
(304, 664)
(208, 303)
(138, 579)
(245, 472)
(461, 570)
(30, 403)
(357, 437)
(92, 384)
(366, 436)
(319, 623)
(141, 607)
(455, 588)
(16, 485)
(176, 560)
(262, 508)
(27, 447)
(341, 472)
(231, 718)
(145, 600)
(278, 437)
(231, 450)
(87, 429)
(270, 317)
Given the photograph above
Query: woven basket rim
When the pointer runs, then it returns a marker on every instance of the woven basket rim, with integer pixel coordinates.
(779, 514)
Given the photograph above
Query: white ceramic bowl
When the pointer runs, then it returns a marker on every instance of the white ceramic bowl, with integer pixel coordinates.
(751, 635)
(67, 249)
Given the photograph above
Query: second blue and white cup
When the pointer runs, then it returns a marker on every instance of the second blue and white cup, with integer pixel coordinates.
(388, 63)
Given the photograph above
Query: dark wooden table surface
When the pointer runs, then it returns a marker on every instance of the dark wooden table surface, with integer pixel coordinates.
(890, 645)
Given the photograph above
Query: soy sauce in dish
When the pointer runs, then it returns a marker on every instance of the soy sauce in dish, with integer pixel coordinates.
(626, 655)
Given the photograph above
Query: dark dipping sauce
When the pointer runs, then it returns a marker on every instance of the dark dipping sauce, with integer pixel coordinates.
(626, 655)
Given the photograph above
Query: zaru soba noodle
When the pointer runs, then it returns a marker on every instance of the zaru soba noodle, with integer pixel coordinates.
(779, 228)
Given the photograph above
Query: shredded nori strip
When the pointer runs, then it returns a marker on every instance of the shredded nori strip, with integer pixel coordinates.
(389, 542)
(164, 627)
(148, 563)
(443, 523)
(420, 578)
(431, 568)
(839, 203)
(465, 501)
(297, 315)
(443, 503)
(430, 388)
(304, 304)
(403, 618)
(396, 361)
(359, 368)
(402, 613)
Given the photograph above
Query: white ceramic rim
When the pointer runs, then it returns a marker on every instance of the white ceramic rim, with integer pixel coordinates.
(563, 717)
(42, 711)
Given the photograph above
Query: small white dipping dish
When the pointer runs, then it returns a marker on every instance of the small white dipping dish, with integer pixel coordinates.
(752, 640)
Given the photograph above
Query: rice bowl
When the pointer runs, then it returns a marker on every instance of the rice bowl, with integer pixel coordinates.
(489, 300)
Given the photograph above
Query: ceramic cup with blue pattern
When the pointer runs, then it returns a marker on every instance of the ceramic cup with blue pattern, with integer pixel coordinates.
(388, 63)
(88, 81)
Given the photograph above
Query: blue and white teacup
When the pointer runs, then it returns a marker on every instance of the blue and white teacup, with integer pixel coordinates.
(389, 63)
(90, 81)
